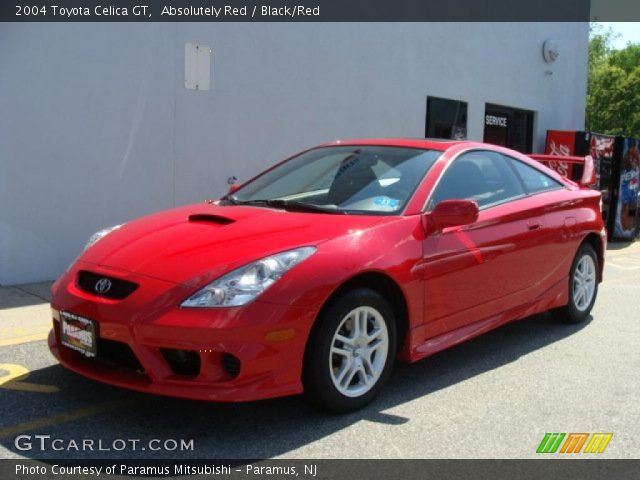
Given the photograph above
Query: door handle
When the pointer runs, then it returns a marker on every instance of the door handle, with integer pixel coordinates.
(534, 225)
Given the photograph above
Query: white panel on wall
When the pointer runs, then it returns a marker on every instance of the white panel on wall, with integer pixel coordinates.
(197, 66)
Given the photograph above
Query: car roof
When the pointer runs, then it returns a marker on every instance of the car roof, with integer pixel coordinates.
(426, 143)
(444, 144)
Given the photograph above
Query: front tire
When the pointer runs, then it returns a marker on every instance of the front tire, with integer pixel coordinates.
(583, 286)
(351, 351)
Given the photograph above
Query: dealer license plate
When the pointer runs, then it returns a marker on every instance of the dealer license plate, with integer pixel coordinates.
(78, 333)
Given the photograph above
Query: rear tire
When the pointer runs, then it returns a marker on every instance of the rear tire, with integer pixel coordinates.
(350, 352)
(583, 286)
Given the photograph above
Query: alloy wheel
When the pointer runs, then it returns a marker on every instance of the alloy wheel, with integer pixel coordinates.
(584, 282)
(358, 351)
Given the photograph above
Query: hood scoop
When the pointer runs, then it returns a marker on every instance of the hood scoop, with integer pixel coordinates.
(209, 218)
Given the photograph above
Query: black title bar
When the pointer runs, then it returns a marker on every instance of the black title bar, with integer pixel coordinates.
(318, 10)
(593, 469)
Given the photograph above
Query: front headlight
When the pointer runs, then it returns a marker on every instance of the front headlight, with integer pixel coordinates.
(246, 283)
(98, 235)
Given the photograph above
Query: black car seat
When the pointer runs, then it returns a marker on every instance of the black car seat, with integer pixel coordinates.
(354, 175)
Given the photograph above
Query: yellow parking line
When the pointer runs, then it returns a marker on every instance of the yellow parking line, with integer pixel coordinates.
(15, 380)
(621, 279)
(635, 265)
(65, 417)
(36, 337)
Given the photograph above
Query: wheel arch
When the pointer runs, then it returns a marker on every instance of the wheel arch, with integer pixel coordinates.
(595, 241)
(385, 286)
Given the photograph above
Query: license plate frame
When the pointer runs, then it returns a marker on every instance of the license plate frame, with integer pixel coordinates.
(79, 333)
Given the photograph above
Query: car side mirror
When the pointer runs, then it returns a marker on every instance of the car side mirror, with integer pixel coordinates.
(451, 213)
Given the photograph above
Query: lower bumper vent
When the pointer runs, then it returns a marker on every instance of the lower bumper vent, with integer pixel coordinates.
(231, 365)
(118, 354)
(182, 362)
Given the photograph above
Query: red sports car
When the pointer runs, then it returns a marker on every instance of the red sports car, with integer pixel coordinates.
(317, 274)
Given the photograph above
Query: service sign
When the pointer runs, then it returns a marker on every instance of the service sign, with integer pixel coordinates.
(495, 121)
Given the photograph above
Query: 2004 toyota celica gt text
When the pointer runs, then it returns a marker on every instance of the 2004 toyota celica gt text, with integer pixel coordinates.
(319, 273)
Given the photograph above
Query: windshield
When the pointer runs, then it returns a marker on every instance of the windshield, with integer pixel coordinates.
(343, 179)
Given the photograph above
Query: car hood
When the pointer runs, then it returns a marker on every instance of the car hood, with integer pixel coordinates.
(197, 243)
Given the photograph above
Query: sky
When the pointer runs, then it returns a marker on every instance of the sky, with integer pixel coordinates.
(629, 32)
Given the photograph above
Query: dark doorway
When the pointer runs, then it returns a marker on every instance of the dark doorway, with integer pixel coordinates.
(508, 127)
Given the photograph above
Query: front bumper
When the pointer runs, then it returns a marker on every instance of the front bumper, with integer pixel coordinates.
(145, 341)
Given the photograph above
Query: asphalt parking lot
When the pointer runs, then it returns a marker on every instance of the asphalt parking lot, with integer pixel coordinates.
(493, 397)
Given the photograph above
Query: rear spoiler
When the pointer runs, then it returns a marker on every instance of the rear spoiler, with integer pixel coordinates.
(580, 170)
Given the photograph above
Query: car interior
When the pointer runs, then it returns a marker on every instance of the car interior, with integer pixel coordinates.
(485, 179)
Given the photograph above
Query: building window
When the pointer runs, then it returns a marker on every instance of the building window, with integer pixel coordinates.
(446, 118)
(508, 127)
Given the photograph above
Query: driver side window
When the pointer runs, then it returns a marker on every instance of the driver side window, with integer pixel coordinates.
(481, 176)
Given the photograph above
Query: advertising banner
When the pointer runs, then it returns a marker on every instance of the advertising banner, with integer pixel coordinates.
(626, 224)
(601, 150)
(561, 144)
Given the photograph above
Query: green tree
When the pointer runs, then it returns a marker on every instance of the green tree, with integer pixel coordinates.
(613, 86)
(628, 59)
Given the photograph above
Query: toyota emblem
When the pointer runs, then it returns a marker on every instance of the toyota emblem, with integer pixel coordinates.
(103, 285)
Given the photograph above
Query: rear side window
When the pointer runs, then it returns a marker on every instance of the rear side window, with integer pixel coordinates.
(533, 179)
(482, 176)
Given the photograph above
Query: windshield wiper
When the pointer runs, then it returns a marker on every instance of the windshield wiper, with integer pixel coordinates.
(289, 205)
(294, 205)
